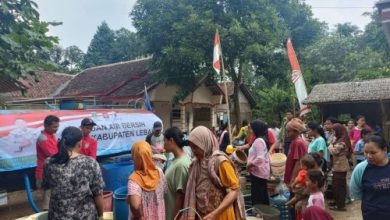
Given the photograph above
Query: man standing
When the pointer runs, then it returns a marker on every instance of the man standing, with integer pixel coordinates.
(156, 138)
(88, 144)
(46, 146)
(284, 137)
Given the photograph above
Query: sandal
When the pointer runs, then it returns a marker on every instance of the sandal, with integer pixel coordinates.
(335, 208)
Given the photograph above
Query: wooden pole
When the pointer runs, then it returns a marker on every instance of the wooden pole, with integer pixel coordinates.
(226, 92)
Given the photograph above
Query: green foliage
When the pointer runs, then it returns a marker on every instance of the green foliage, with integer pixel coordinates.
(73, 59)
(348, 54)
(109, 46)
(179, 34)
(347, 30)
(23, 39)
(299, 22)
(101, 44)
(374, 36)
(273, 102)
(126, 46)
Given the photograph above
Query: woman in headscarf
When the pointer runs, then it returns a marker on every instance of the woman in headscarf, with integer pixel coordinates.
(147, 185)
(340, 150)
(298, 149)
(213, 188)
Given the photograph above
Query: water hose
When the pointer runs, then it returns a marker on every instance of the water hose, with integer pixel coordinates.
(29, 194)
(186, 209)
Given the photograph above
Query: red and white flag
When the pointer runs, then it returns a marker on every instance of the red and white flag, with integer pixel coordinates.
(217, 53)
(297, 78)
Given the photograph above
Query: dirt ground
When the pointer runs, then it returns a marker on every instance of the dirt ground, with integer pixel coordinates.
(18, 206)
(353, 212)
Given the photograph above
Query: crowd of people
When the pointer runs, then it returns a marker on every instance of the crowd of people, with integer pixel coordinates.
(180, 176)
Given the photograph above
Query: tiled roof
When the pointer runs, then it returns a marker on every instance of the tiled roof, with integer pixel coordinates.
(45, 84)
(42, 84)
(108, 80)
(8, 85)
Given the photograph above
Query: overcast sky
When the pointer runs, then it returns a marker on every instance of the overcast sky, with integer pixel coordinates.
(81, 17)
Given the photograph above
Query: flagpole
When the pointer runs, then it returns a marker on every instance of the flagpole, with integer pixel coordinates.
(226, 92)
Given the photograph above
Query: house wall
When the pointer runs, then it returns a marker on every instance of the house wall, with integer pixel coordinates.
(197, 107)
(245, 108)
(163, 111)
(163, 93)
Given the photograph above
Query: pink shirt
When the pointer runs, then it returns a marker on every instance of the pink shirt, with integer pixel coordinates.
(316, 199)
(153, 204)
(259, 157)
(355, 134)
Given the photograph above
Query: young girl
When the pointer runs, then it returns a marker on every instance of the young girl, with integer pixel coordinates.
(359, 147)
(177, 173)
(355, 132)
(315, 182)
(299, 183)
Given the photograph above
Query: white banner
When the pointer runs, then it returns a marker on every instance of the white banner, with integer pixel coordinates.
(116, 131)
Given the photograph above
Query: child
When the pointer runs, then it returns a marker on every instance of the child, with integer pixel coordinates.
(299, 184)
(359, 147)
(315, 182)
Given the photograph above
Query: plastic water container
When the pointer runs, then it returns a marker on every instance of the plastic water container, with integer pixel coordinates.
(121, 208)
(116, 174)
(278, 164)
(279, 202)
(38, 216)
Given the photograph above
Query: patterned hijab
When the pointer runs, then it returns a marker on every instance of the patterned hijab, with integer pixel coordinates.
(203, 138)
(341, 134)
(146, 174)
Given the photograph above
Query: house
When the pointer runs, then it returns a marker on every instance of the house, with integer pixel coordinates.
(35, 87)
(247, 102)
(370, 98)
(122, 85)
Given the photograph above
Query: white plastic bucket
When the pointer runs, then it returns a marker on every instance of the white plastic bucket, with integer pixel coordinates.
(278, 164)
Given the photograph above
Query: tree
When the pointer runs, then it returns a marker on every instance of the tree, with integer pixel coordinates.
(179, 36)
(127, 46)
(73, 58)
(23, 39)
(347, 30)
(273, 102)
(56, 54)
(99, 49)
(374, 36)
(299, 22)
(329, 59)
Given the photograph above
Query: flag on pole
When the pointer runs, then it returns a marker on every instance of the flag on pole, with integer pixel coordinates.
(148, 104)
(217, 53)
(297, 78)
